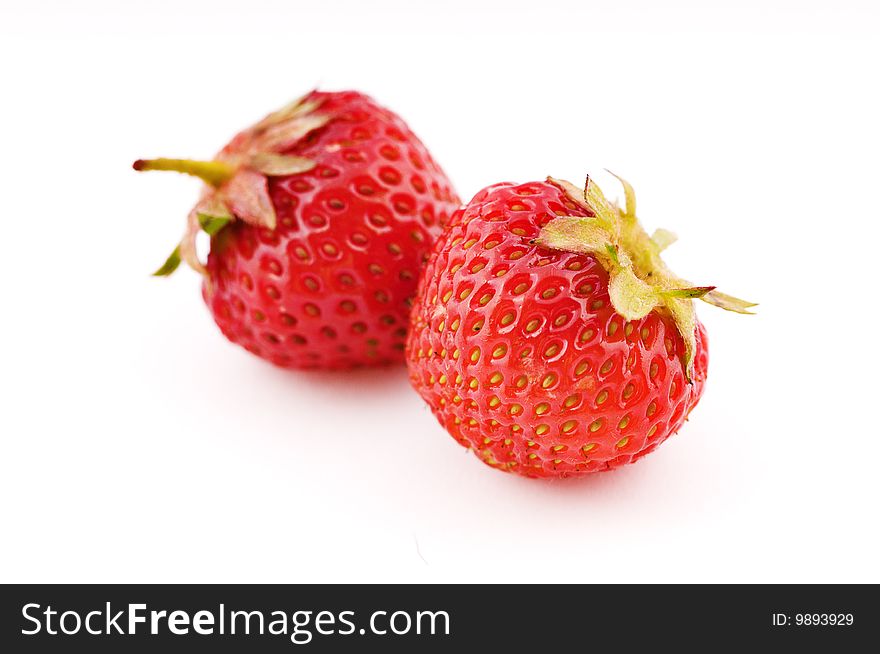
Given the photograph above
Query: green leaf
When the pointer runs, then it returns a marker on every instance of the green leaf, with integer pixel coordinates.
(691, 292)
(298, 107)
(663, 238)
(575, 194)
(685, 318)
(576, 234)
(613, 253)
(600, 206)
(630, 296)
(728, 302)
(213, 224)
(285, 133)
(629, 194)
(247, 197)
(170, 265)
(590, 198)
(278, 165)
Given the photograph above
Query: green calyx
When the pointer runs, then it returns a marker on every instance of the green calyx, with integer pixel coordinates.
(639, 280)
(210, 225)
(236, 181)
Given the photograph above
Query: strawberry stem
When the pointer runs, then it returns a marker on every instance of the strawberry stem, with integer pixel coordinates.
(214, 173)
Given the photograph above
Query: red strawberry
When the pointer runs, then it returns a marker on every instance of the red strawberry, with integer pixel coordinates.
(320, 217)
(548, 335)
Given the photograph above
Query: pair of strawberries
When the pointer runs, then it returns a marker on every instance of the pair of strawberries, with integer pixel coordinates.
(538, 321)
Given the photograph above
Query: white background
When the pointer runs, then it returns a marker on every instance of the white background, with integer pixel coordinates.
(139, 446)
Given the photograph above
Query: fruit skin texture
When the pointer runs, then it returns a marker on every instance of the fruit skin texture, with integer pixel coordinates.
(520, 355)
(329, 287)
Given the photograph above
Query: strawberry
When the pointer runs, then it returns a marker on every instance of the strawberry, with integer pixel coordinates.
(320, 217)
(548, 335)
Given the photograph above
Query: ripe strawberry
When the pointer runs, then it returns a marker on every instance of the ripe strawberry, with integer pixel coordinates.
(548, 335)
(320, 217)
